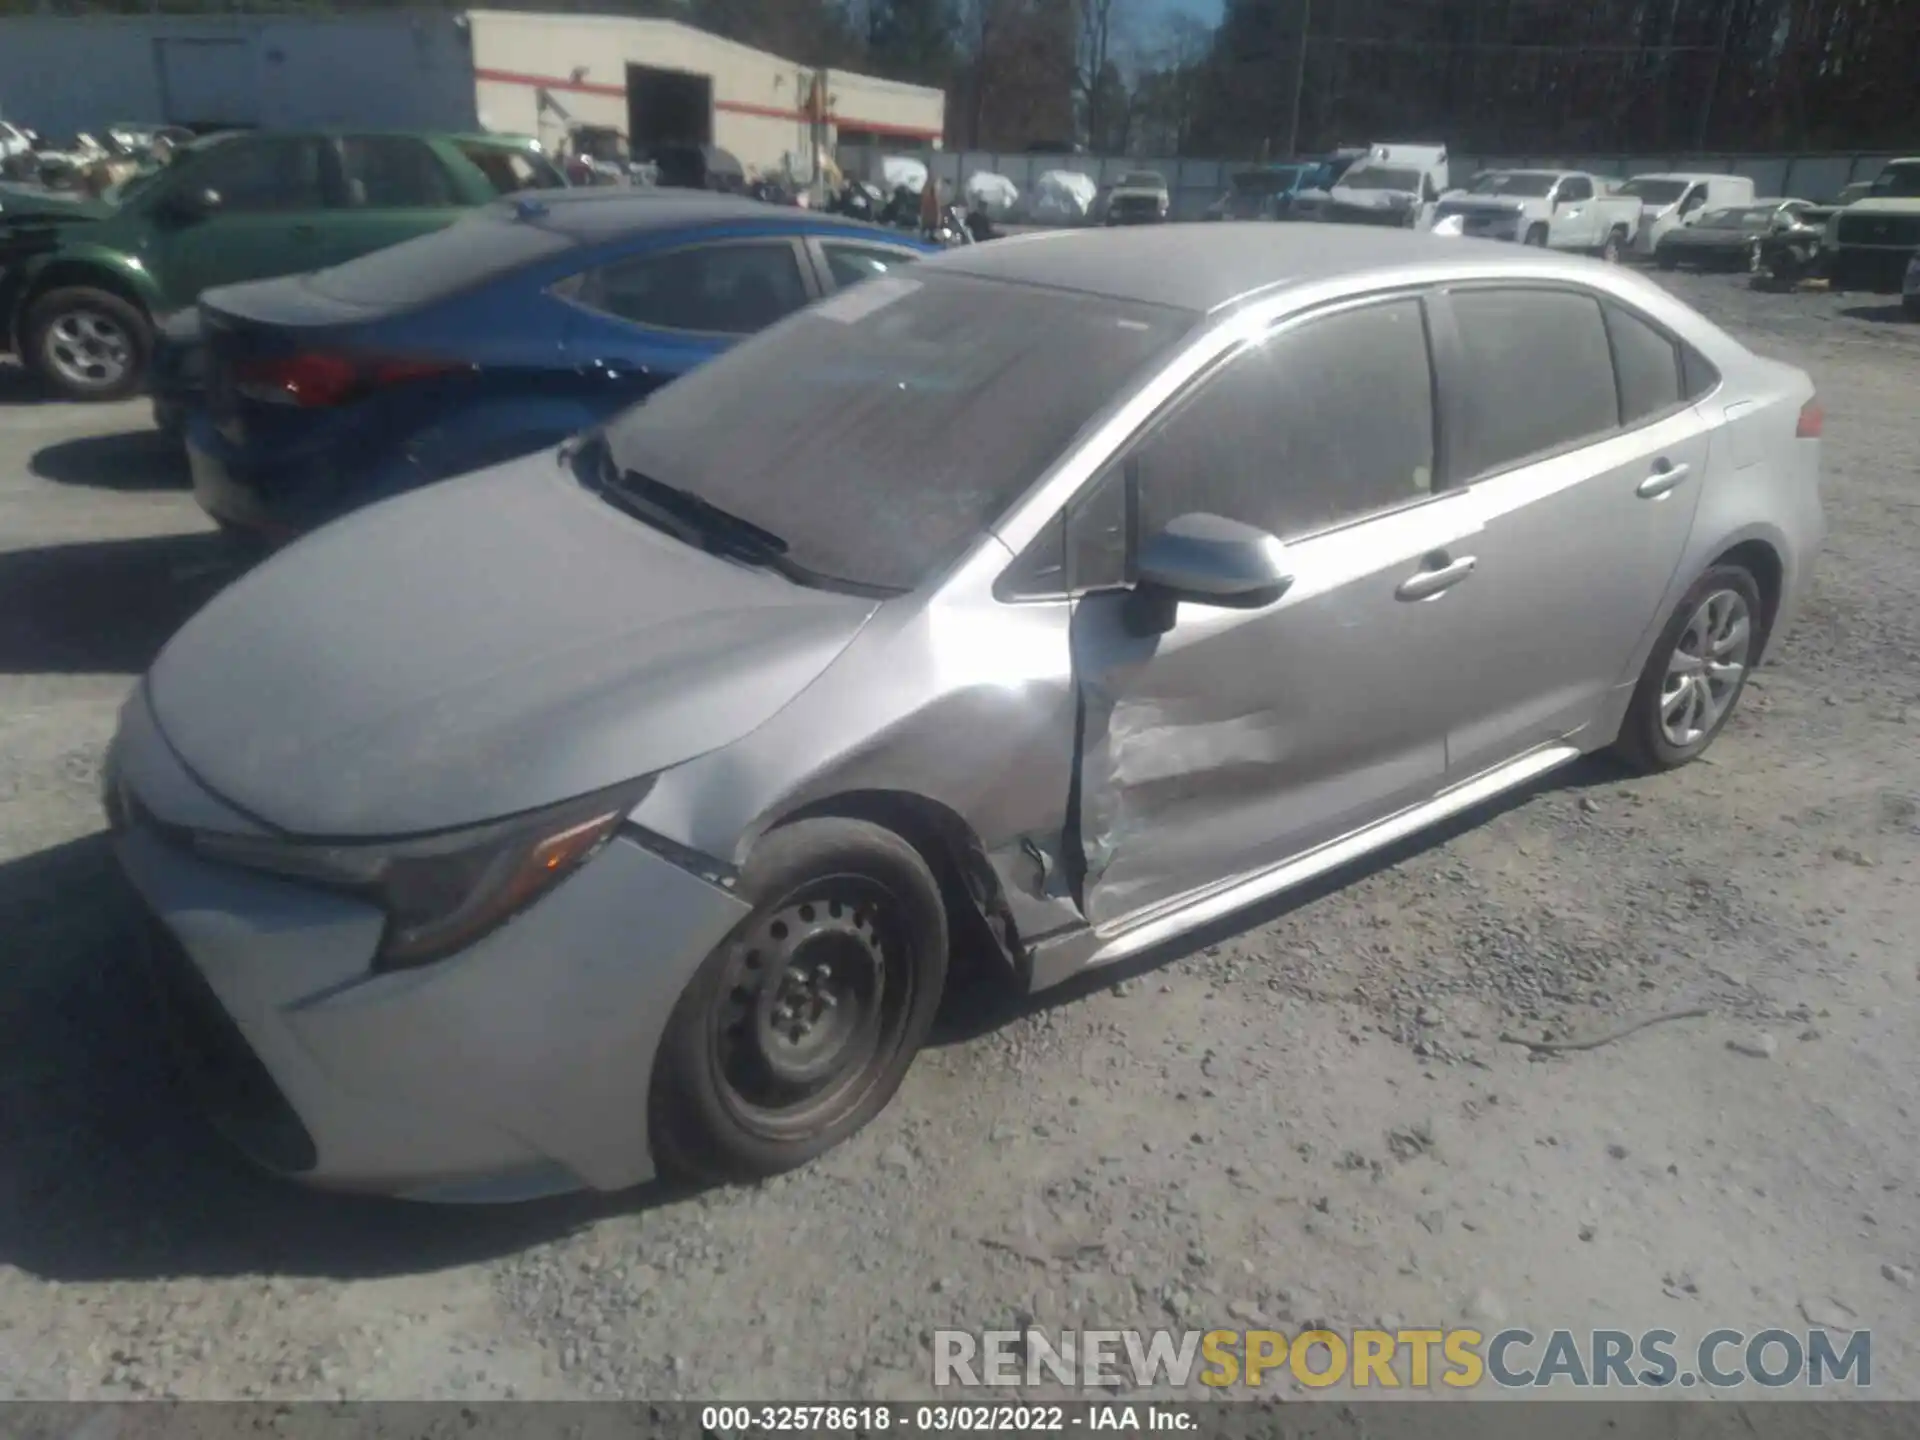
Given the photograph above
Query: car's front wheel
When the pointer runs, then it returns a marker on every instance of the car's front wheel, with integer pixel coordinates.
(1696, 673)
(1614, 248)
(798, 1029)
(88, 344)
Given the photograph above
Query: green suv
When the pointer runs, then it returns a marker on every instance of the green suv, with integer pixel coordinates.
(84, 283)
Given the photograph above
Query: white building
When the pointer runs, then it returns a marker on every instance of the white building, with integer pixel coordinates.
(654, 79)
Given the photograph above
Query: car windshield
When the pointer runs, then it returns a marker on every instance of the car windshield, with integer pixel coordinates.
(1655, 192)
(892, 423)
(1142, 180)
(1739, 217)
(1380, 178)
(1263, 182)
(1511, 182)
(1900, 181)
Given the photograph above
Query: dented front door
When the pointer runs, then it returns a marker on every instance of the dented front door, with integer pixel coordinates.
(1240, 739)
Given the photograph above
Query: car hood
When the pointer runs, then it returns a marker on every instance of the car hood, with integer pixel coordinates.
(1372, 199)
(486, 646)
(21, 202)
(1885, 205)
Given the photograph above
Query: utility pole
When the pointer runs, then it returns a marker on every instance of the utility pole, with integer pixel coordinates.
(1299, 80)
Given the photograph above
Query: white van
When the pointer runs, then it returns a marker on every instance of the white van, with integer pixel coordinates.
(1393, 184)
(1671, 200)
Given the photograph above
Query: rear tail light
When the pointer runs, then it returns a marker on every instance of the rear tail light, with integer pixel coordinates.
(316, 381)
(1813, 420)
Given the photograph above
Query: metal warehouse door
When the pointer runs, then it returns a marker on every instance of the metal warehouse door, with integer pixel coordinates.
(208, 82)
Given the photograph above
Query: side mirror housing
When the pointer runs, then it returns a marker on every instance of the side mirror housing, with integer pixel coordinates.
(189, 204)
(1208, 560)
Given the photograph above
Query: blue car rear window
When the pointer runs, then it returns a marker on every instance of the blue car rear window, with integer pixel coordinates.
(432, 267)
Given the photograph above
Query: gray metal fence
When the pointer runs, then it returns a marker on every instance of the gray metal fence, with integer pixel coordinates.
(1196, 184)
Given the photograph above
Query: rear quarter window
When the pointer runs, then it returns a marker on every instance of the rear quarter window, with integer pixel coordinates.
(472, 251)
(508, 171)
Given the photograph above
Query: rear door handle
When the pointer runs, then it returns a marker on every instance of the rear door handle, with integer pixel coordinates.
(1425, 584)
(1662, 480)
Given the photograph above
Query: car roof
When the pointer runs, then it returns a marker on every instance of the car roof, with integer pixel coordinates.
(591, 214)
(1203, 268)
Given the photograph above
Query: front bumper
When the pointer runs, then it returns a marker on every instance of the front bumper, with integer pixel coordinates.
(518, 1067)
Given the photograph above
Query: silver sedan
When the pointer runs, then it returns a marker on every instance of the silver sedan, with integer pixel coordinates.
(626, 809)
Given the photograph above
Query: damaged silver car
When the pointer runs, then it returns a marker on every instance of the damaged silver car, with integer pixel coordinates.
(623, 810)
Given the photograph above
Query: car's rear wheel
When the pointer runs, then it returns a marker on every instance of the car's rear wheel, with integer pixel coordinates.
(800, 1026)
(1537, 236)
(1696, 673)
(1614, 248)
(88, 344)
(1666, 260)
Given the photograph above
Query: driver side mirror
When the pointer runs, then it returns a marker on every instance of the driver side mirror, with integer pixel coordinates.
(189, 204)
(1206, 560)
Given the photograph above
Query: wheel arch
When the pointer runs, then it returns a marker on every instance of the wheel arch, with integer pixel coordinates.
(72, 271)
(1760, 558)
(981, 925)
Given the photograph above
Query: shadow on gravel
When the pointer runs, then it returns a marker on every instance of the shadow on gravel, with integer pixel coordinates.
(1894, 314)
(981, 1008)
(133, 460)
(109, 1172)
(106, 606)
(17, 387)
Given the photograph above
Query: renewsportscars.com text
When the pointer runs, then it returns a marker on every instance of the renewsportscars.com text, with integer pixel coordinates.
(1461, 1359)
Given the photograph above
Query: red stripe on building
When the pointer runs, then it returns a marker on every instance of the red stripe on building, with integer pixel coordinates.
(732, 107)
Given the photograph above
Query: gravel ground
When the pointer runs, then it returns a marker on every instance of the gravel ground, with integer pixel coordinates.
(1312, 1119)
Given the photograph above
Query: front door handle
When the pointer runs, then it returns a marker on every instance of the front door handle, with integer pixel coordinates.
(1425, 584)
(1662, 480)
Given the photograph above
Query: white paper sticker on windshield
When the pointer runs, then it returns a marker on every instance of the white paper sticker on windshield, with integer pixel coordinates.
(865, 298)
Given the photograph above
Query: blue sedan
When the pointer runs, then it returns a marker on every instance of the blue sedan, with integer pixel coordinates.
(503, 334)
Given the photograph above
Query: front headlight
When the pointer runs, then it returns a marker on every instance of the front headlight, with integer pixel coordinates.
(443, 892)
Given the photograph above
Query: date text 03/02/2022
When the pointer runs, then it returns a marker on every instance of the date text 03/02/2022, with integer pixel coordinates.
(941, 1419)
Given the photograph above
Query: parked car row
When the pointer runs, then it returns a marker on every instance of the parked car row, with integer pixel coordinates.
(620, 805)
(1865, 239)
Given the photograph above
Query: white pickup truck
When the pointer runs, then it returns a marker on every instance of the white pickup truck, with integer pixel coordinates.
(1557, 209)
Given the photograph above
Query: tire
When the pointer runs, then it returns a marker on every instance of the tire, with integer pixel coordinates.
(1536, 237)
(1911, 304)
(1647, 741)
(1666, 260)
(88, 344)
(1613, 249)
(873, 921)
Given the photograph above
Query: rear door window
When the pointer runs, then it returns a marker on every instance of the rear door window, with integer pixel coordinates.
(394, 172)
(429, 268)
(726, 288)
(850, 264)
(1647, 362)
(1537, 377)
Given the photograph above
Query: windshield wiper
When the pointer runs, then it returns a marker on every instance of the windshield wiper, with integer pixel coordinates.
(697, 521)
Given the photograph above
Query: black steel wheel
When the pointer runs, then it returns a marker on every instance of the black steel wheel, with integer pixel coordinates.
(800, 1026)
